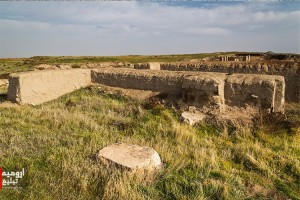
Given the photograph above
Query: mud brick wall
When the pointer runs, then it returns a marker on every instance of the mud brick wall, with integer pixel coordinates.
(289, 69)
(202, 88)
(209, 90)
(41, 86)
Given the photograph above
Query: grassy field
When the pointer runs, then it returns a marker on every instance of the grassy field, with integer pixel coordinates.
(11, 65)
(24, 64)
(56, 143)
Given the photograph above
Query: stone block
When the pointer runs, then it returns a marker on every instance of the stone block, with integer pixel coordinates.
(192, 118)
(130, 156)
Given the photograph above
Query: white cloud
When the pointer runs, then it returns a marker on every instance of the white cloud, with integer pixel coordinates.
(108, 28)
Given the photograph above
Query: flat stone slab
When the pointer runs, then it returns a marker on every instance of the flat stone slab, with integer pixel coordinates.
(131, 156)
(192, 118)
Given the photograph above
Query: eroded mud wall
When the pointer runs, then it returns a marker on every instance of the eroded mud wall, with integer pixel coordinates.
(209, 90)
(41, 86)
(289, 69)
(202, 88)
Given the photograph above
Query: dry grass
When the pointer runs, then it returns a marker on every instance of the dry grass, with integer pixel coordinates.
(56, 143)
(10, 65)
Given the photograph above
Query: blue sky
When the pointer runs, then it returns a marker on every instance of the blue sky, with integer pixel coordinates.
(123, 28)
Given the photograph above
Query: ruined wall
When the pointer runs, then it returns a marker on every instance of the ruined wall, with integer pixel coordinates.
(263, 91)
(168, 82)
(205, 90)
(195, 89)
(150, 65)
(290, 70)
(41, 86)
(82, 65)
(211, 90)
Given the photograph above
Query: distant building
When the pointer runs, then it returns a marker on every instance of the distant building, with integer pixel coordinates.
(235, 57)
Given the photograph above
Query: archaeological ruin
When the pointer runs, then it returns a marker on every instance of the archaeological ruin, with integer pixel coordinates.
(288, 69)
(41, 86)
(230, 86)
(209, 92)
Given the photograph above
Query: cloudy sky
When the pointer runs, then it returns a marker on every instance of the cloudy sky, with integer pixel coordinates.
(125, 28)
